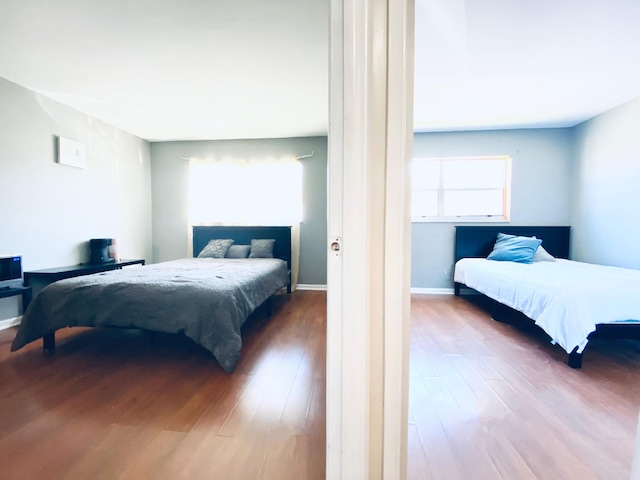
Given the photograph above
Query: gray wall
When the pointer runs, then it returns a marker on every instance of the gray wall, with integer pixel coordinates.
(170, 183)
(586, 177)
(50, 211)
(606, 213)
(541, 177)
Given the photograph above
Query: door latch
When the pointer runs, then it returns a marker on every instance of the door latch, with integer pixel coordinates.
(335, 246)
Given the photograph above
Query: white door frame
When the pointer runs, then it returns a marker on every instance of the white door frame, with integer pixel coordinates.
(397, 276)
(334, 259)
(370, 137)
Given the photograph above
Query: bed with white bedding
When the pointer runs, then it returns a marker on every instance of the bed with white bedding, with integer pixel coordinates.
(566, 299)
(571, 301)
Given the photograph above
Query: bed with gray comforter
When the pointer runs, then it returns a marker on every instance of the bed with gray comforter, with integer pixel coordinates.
(205, 299)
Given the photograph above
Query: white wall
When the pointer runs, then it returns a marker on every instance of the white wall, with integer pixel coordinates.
(606, 213)
(541, 180)
(50, 211)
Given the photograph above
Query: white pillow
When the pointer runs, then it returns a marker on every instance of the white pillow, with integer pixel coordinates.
(542, 255)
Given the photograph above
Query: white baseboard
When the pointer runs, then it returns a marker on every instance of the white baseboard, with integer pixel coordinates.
(10, 322)
(303, 286)
(426, 291)
(433, 291)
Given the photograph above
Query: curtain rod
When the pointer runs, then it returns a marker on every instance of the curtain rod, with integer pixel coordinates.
(300, 157)
(296, 157)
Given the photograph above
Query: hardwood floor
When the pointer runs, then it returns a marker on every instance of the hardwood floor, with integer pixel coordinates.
(109, 405)
(487, 401)
(496, 401)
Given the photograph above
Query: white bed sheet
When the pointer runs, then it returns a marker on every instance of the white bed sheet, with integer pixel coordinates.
(567, 299)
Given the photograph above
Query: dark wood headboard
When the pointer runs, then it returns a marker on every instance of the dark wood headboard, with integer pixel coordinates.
(243, 236)
(477, 242)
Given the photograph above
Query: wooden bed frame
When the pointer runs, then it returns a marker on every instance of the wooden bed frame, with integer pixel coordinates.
(243, 236)
(478, 241)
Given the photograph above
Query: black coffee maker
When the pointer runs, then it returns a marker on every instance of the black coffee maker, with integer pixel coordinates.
(99, 249)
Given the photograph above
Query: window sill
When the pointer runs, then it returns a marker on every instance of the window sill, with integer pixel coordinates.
(459, 220)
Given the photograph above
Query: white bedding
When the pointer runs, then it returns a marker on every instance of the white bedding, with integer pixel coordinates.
(566, 298)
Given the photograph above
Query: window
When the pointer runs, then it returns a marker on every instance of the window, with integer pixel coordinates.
(461, 189)
(246, 192)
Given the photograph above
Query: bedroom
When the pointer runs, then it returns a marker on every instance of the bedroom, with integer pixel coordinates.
(124, 206)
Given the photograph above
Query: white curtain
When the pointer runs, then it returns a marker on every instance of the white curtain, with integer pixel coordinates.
(261, 191)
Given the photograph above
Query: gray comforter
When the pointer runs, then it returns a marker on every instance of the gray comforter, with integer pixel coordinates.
(206, 299)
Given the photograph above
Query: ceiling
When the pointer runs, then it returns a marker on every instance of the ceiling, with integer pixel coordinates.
(213, 69)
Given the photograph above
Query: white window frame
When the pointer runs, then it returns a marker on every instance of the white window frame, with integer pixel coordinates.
(506, 201)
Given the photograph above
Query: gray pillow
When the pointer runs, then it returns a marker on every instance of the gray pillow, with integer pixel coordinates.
(262, 248)
(542, 255)
(238, 251)
(216, 248)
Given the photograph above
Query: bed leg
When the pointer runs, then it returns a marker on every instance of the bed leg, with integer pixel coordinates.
(456, 289)
(575, 359)
(49, 342)
(269, 306)
(496, 311)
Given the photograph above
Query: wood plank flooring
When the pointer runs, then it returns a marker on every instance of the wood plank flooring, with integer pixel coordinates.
(487, 401)
(496, 401)
(109, 405)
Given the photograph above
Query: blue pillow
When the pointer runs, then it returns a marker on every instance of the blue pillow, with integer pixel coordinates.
(509, 248)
